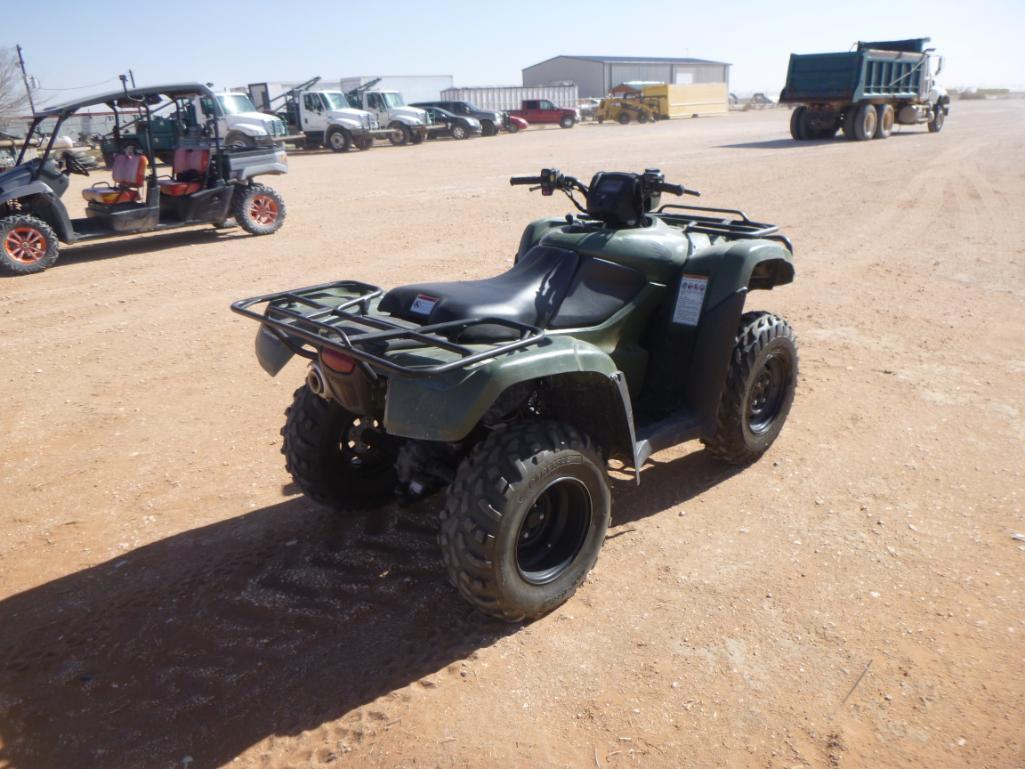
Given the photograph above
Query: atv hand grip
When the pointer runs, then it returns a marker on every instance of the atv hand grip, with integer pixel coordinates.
(524, 180)
(674, 189)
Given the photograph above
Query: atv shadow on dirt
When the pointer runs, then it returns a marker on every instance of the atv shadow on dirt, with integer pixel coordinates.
(270, 623)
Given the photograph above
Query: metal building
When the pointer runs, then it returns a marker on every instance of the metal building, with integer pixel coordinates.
(596, 75)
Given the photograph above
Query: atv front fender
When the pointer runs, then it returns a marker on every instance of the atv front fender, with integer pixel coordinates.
(448, 407)
(39, 200)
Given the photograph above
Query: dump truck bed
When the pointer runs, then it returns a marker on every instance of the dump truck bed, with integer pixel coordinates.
(850, 77)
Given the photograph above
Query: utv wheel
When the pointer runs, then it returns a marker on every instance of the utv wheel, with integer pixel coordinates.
(624, 118)
(525, 518)
(27, 245)
(458, 132)
(400, 134)
(567, 122)
(865, 122)
(239, 139)
(884, 121)
(759, 389)
(337, 458)
(796, 118)
(339, 140)
(936, 124)
(258, 209)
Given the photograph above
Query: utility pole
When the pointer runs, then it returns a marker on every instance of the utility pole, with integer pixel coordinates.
(24, 77)
(131, 76)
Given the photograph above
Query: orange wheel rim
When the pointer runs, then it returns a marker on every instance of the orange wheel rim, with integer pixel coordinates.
(25, 245)
(263, 209)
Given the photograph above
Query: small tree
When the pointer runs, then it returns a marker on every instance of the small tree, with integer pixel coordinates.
(13, 99)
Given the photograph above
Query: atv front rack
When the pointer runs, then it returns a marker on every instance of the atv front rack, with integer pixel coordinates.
(742, 227)
(337, 316)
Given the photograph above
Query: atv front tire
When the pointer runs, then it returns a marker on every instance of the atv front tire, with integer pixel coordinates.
(525, 518)
(27, 245)
(332, 454)
(759, 389)
(258, 209)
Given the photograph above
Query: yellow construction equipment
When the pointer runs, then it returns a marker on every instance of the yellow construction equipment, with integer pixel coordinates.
(671, 101)
(623, 110)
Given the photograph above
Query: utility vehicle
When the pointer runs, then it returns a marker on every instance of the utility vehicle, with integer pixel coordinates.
(207, 183)
(618, 332)
(406, 124)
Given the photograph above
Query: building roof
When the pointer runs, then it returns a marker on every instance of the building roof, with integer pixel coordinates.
(635, 60)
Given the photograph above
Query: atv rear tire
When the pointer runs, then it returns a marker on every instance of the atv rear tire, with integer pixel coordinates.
(27, 245)
(525, 518)
(258, 209)
(759, 389)
(329, 456)
(339, 140)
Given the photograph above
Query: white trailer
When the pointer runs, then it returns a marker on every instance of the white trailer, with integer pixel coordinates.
(509, 97)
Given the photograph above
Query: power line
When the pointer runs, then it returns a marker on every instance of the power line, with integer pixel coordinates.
(78, 87)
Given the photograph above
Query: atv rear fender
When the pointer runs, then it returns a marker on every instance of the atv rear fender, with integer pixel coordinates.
(580, 381)
(733, 269)
(40, 201)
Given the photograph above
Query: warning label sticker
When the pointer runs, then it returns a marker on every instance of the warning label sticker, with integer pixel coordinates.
(423, 304)
(689, 300)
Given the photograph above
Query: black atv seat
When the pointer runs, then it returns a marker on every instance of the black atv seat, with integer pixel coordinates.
(530, 293)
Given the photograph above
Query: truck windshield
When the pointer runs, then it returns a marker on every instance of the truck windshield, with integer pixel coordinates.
(235, 103)
(393, 99)
(336, 100)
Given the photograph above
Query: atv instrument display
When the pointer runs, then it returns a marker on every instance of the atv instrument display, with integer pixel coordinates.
(618, 332)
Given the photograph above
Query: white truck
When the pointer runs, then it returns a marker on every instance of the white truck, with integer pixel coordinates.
(238, 120)
(320, 117)
(405, 124)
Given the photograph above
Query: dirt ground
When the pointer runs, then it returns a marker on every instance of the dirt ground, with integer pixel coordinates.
(855, 599)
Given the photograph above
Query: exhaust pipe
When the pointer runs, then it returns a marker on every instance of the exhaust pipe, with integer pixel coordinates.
(315, 381)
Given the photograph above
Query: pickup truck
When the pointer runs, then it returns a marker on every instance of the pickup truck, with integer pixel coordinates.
(543, 111)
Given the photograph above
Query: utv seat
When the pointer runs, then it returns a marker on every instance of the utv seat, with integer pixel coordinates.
(528, 293)
(188, 171)
(128, 172)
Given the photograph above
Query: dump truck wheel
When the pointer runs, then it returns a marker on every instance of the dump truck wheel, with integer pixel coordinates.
(865, 122)
(27, 245)
(796, 119)
(936, 124)
(339, 140)
(759, 389)
(258, 209)
(624, 118)
(884, 121)
(525, 518)
(332, 456)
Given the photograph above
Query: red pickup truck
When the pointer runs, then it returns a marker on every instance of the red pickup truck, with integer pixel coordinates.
(543, 111)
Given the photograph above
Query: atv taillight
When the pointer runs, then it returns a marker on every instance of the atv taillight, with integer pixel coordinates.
(337, 361)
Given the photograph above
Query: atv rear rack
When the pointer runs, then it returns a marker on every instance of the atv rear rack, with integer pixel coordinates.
(742, 227)
(322, 324)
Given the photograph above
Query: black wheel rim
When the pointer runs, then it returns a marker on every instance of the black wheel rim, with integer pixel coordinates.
(553, 531)
(359, 445)
(768, 391)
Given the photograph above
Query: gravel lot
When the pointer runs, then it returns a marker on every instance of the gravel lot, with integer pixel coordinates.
(854, 599)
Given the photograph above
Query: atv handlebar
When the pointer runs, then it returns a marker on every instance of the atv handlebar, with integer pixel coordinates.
(675, 189)
(525, 180)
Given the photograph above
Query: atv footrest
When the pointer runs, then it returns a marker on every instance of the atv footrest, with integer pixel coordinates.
(338, 316)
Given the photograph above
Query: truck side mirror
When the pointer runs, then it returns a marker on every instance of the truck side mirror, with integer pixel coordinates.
(939, 65)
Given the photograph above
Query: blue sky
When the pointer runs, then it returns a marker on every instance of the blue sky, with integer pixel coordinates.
(71, 43)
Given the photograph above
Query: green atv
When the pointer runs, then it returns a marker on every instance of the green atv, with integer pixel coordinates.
(617, 333)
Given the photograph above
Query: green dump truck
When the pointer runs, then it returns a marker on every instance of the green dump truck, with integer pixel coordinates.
(865, 91)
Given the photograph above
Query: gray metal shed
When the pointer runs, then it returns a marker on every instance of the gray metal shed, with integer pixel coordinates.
(595, 75)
